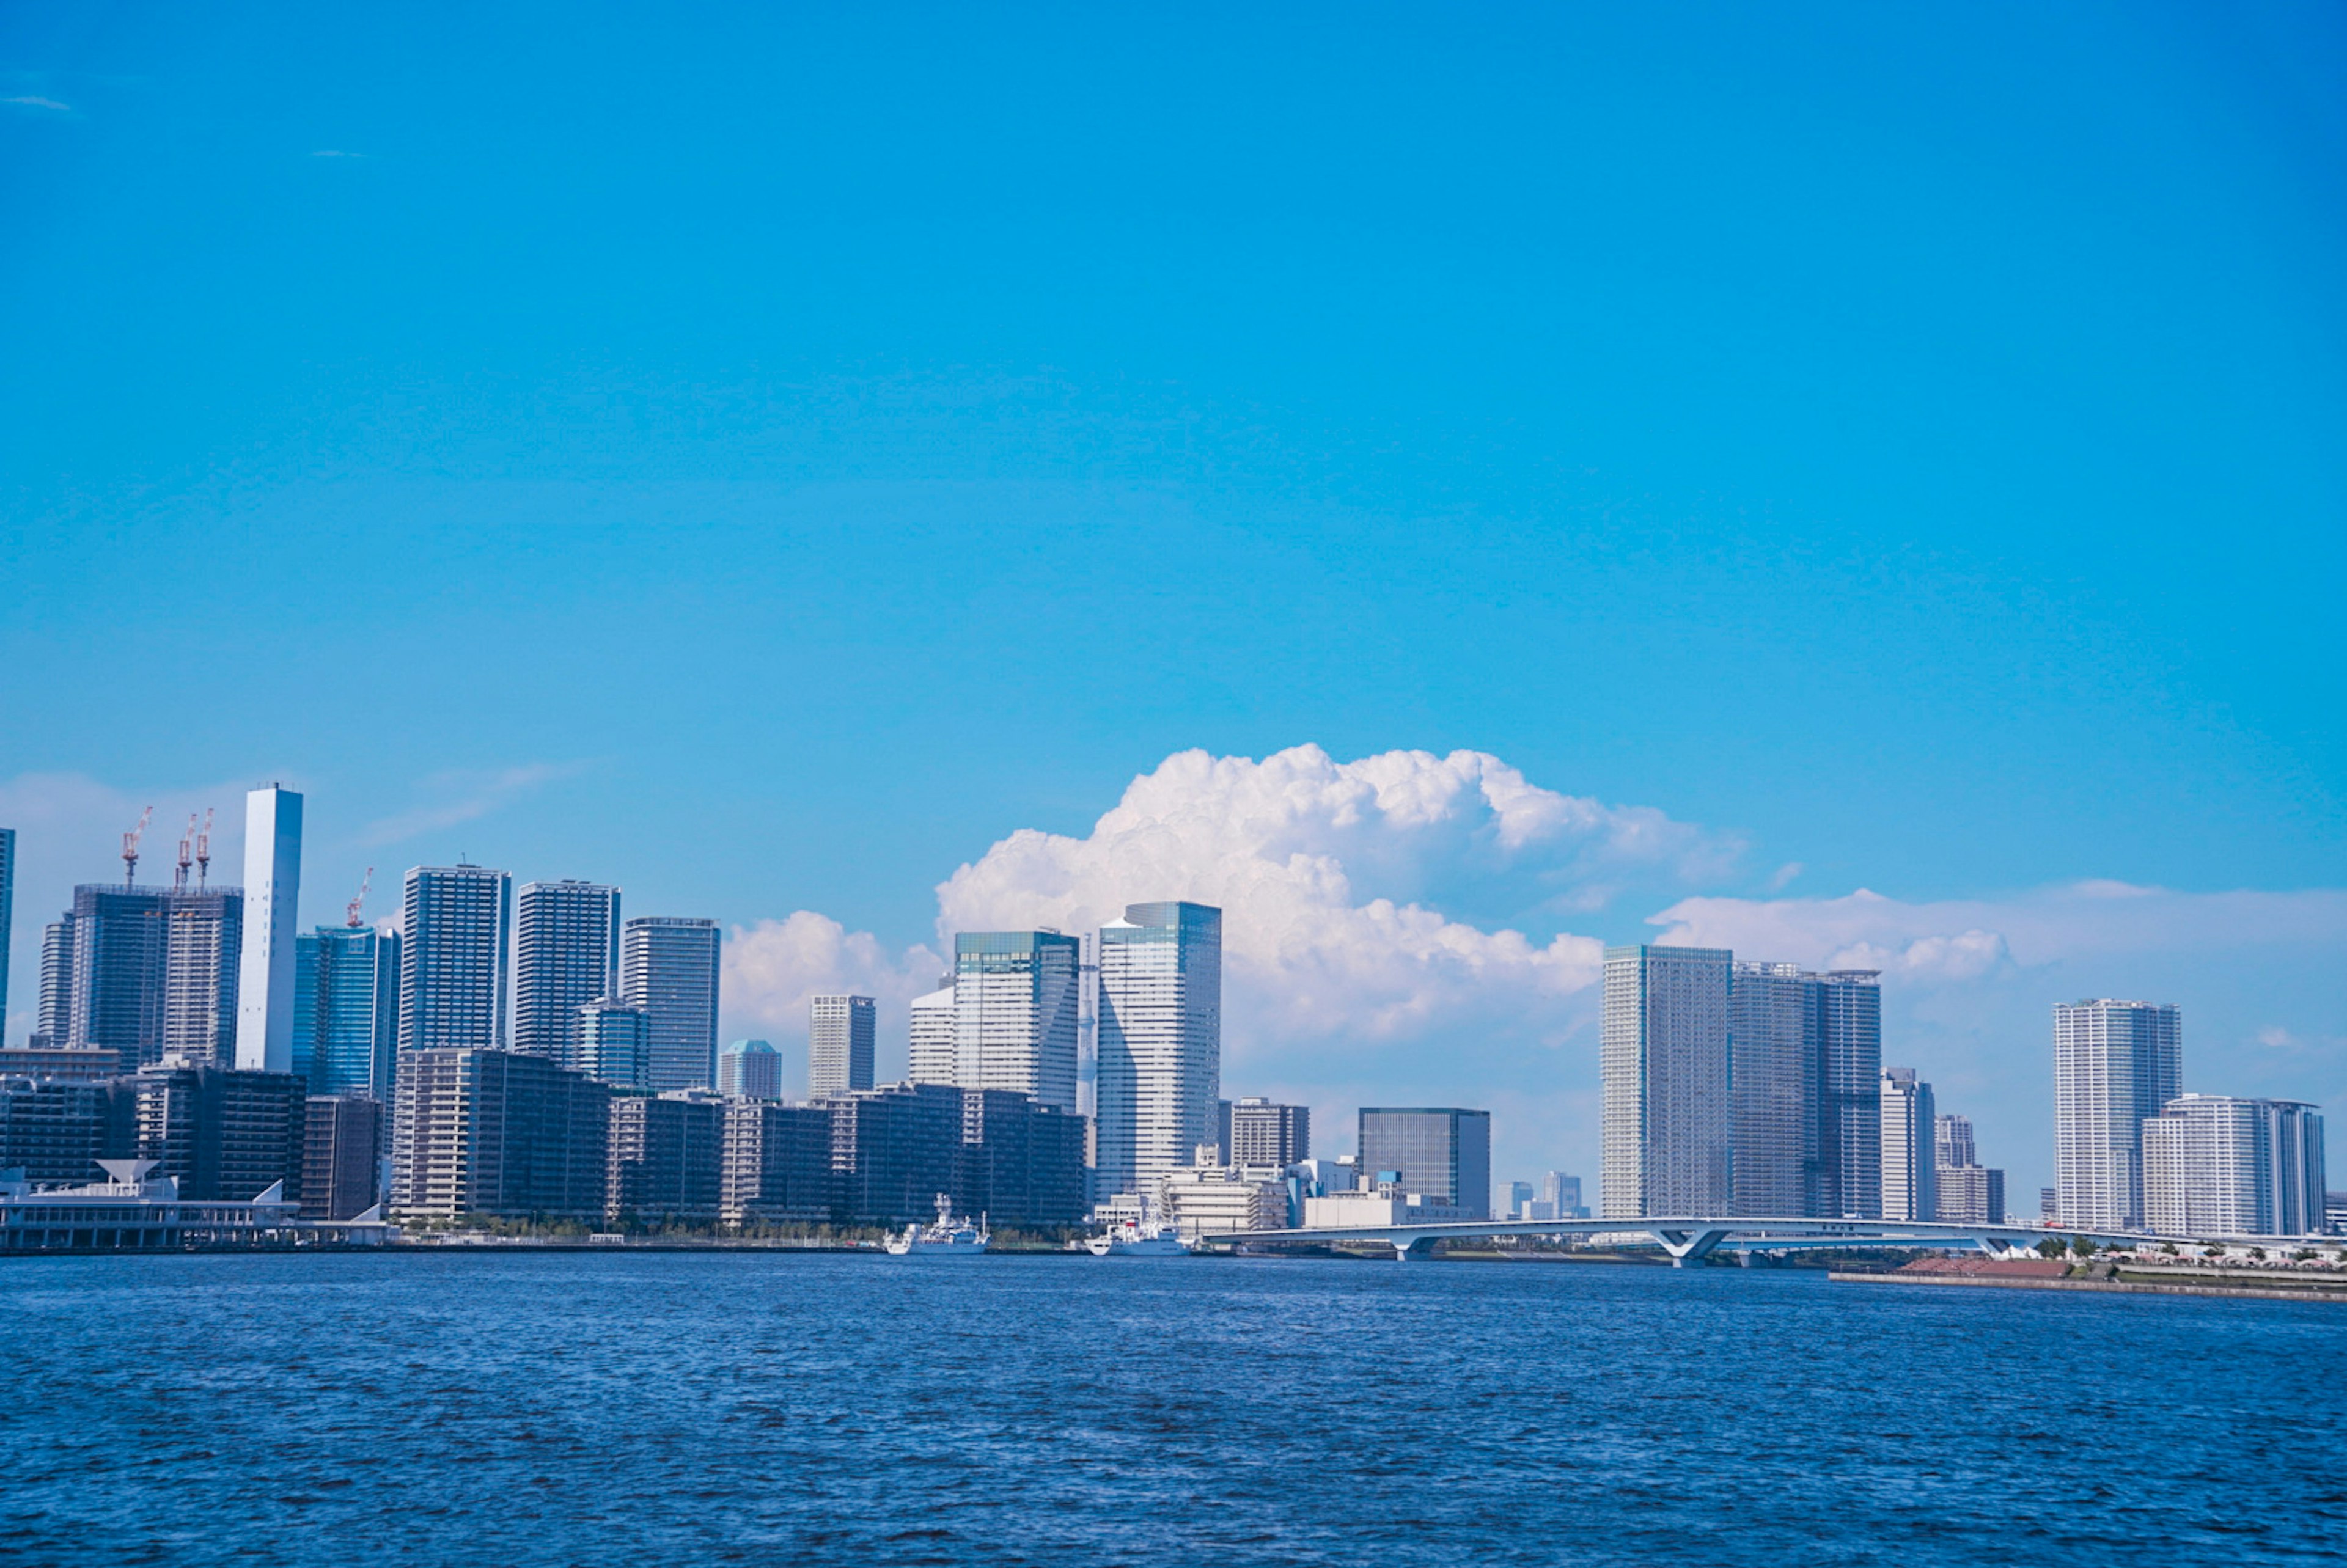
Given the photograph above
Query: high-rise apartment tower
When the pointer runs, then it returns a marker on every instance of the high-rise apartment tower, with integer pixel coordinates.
(566, 954)
(668, 966)
(2218, 1166)
(457, 926)
(2116, 1065)
(1667, 1125)
(840, 1032)
(1908, 1172)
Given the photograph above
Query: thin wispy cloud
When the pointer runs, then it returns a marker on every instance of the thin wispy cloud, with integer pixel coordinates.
(465, 796)
(27, 101)
(335, 153)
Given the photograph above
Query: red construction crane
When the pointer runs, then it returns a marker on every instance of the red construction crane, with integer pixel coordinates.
(204, 852)
(351, 911)
(130, 849)
(179, 876)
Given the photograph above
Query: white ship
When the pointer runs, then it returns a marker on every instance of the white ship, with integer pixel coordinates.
(949, 1237)
(1146, 1237)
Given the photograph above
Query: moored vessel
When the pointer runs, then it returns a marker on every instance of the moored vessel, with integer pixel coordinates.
(949, 1237)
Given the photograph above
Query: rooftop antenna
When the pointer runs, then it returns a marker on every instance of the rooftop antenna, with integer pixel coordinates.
(179, 877)
(351, 910)
(130, 850)
(204, 851)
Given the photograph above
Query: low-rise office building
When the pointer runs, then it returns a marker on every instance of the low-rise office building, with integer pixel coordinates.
(1208, 1197)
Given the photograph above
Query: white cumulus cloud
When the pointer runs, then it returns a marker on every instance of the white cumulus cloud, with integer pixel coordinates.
(1325, 871)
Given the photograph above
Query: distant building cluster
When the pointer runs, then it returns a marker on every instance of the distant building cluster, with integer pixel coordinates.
(1739, 1089)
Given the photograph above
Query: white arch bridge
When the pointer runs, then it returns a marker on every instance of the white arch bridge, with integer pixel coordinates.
(1691, 1239)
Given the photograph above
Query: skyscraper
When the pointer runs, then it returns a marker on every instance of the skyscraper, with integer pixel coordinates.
(456, 924)
(2215, 1164)
(154, 971)
(932, 1060)
(1774, 1119)
(7, 908)
(2116, 1065)
(53, 1026)
(1909, 1190)
(346, 1010)
(1015, 996)
(613, 1042)
(1440, 1154)
(1265, 1134)
(839, 1044)
(751, 1069)
(272, 897)
(1668, 1129)
(1850, 1179)
(668, 965)
(1160, 1066)
(566, 954)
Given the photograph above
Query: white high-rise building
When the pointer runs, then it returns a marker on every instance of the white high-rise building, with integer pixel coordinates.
(1667, 1121)
(1016, 1001)
(1909, 1173)
(933, 1036)
(669, 965)
(2116, 1065)
(566, 954)
(1158, 1089)
(840, 1036)
(456, 923)
(272, 894)
(2216, 1165)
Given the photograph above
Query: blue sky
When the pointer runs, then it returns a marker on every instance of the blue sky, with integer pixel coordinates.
(768, 459)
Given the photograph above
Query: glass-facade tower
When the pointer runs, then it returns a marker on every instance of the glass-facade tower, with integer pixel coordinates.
(1158, 1089)
(346, 1010)
(1442, 1154)
(1017, 1001)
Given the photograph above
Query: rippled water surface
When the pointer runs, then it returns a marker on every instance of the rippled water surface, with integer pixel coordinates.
(516, 1408)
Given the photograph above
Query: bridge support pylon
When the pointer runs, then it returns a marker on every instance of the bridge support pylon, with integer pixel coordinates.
(1417, 1249)
(1687, 1247)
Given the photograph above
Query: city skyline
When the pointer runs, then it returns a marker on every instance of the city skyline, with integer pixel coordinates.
(1523, 1139)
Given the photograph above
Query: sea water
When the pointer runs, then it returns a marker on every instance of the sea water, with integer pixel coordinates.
(519, 1406)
